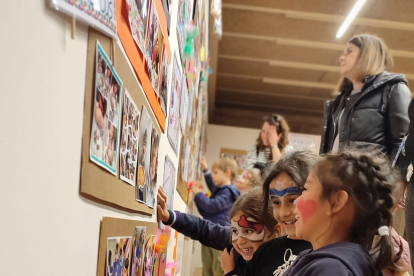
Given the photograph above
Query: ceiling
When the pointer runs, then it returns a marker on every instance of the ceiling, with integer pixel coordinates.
(281, 56)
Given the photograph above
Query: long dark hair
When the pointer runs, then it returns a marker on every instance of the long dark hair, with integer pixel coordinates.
(281, 127)
(369, 183)
(296, 164)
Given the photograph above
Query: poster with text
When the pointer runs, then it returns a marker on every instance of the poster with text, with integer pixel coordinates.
(154, 48)
(105, 131)
(144, 148)
(174, 116)
(150, 189)
(136, 21)
(118, 251)
(129, 141)
(138, 250)
(99, 14)
(164, 81)
(184, 105)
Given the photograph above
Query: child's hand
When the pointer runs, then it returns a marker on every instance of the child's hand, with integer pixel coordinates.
(227, 261)
(162, 210)
(195, 188)
(203, 163)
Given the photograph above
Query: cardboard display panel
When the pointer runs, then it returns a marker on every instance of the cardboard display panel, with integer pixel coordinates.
(136, 57)
(114, 227)
(95, 181)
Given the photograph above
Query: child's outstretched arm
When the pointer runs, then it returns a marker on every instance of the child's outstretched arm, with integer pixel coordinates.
(208, 177)
(215, 205)
(206, 232)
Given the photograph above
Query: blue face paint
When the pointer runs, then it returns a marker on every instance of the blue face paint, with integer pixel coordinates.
(290, 191)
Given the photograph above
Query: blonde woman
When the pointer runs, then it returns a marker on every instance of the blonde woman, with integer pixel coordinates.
(371, 110)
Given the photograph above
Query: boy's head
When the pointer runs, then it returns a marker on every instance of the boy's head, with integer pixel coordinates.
(224, 171)
(247, 181)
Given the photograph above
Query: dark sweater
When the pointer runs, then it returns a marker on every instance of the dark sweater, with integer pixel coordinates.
(339, 259)
(275, 256)
(216, 208)
(207, 233)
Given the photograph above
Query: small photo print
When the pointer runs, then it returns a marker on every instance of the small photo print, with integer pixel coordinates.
(184, 105)
(144, 155)
(174, 114)
(168, 185)
(129, 142)
(154, 47)
(118, 251)
(136, 23)
(155, 144)
(138, 251)
(143, 10)
(164, 81)
(149, 257)
(105, 131)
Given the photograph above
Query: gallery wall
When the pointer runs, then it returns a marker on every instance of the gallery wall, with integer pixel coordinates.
(48, 228)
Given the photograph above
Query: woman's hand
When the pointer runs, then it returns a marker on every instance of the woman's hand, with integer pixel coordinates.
(227, 261)
(273, 136)
(162, 210)
(203, 163)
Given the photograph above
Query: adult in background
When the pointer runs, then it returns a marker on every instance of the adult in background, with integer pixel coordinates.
(371, 110)
(270, 145)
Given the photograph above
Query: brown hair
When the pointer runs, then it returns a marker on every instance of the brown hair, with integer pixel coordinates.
(281, 127)
(296, 164)
(226, 163)
(374, 56)
(369, 183)
(251, 204)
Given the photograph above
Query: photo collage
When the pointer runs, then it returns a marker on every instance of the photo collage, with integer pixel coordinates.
(106, 113)
(118, 258)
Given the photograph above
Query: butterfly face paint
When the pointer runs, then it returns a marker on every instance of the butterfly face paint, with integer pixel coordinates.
(248, 229)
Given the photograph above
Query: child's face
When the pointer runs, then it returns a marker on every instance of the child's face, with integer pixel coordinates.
(247, 235)
(312, 211)
(219, 177)
(283, 193)
(242, 182)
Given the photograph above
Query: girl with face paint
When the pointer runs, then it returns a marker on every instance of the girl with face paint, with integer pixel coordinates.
(281, 188)
(347, 200)
(248, 230)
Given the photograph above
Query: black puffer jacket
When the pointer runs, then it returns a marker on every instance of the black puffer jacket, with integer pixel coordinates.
(378, 119)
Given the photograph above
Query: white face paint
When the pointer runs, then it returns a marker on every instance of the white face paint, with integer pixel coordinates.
(248, 229)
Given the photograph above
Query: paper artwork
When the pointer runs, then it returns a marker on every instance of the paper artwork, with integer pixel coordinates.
(184, 105)
(118, 256)
(168, 185)
(144, 150)
(155, 143)
(154, 48)
(136, 20)
(129, 141)
(106, 113)
(164, 81)
(138, 251)
(185, 157)
(174, 116)
(149, 256)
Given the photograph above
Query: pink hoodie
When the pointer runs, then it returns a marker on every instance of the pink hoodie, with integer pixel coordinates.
(401, 254)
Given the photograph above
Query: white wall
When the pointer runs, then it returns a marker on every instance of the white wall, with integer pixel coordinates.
(46, 226)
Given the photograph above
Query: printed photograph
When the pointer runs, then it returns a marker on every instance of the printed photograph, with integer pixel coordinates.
(164, 82)
(174, 116)
(138, 250)
(118, 256)
(151, 188)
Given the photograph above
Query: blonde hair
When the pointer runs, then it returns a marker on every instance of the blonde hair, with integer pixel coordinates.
(374, 56)
(226, 163)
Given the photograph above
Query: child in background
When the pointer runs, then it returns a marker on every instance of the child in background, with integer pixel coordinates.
(247, 231)
(246, 181)
(347, 200)
(217, 207)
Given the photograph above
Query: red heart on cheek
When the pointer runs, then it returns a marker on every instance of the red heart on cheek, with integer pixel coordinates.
(306, 208)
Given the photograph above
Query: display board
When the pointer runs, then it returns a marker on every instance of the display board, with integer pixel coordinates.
(137, 58)
(114, 227)
(96, 183)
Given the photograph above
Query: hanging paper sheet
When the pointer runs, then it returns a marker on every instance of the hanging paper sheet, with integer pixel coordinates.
(98, 14)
